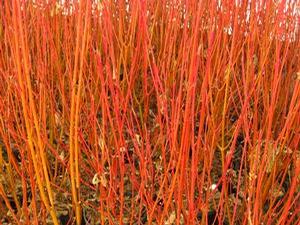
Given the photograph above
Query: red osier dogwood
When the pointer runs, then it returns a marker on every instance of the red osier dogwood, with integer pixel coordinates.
(149, 112)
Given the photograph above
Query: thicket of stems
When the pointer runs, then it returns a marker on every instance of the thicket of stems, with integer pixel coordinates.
(150, 112)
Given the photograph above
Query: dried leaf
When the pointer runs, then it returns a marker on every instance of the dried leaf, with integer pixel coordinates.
(96, 179)
(171, 218)
(103, 181)
(101, 143)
